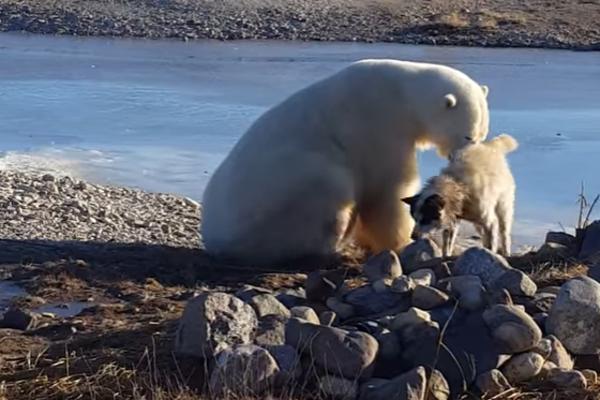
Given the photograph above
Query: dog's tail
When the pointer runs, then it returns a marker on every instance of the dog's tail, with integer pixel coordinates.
(504, 143)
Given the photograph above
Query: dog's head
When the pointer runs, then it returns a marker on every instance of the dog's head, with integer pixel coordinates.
(428, 212)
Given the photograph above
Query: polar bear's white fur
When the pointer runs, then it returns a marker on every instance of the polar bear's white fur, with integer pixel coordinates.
(335, 159)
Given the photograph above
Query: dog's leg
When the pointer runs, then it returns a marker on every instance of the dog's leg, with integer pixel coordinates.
(505, 212)
(449, 239)
(490, 237)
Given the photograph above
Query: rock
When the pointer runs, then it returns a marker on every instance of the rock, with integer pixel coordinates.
(555, 290)
(349, 354)
(409, 386)
(565, 378)
(414, 316)
(482, 263)
(499, 297)
(402, 285)
(271, 331)
(427, 297)
(417, 252)
(213, 322)
(382, 285)
(468, 289)
(267, 304)
(425, 277)
(513, 329)
(492, 383)
(546, 368)
(553, 251)
(338, 388)
(543, 348)
(437, 387)
(591, 376)
(291, 297)
(591, 241)
(384, 265)
(328, 318)
(541, 302)
(246, 292)
(320, 285)
(558, 354)
(342, 310)
(523, 367)
(540, 320)
(288, 361)
(594, 272)
(23, 320)
(575, 316)
(243, 370)
(367, 302)
(561, 238)
(389, 345)
(516, 282)
(305, 313)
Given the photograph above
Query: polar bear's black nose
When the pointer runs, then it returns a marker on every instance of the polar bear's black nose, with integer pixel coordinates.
(415, 235)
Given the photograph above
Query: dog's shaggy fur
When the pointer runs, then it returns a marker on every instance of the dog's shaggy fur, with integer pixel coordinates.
(476, 186)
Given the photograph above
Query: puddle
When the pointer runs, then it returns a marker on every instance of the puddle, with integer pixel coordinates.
(8, 291)
(64, 310)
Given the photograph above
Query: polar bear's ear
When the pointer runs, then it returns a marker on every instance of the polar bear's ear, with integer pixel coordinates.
(411, 201)
(485, 90)
(450, 100)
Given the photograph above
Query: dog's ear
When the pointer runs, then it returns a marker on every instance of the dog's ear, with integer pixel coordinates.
(435, 201)
(411, 201)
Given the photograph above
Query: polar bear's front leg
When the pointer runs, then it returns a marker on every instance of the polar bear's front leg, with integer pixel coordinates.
(385, 224)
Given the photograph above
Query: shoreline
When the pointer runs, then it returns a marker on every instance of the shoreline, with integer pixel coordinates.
(490, 23)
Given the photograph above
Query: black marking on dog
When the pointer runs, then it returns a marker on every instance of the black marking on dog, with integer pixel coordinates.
(431, 210)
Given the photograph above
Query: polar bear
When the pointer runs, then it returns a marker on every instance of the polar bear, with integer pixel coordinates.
(335, 160)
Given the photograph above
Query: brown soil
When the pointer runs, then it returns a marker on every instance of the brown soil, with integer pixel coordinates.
(503, 23)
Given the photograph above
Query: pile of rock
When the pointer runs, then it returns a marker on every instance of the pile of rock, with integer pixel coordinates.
(412, 327)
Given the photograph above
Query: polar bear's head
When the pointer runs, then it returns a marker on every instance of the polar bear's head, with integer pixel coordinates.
(451, 110)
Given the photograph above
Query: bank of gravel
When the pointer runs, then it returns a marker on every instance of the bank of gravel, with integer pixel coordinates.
(498, 23)
(60, 208)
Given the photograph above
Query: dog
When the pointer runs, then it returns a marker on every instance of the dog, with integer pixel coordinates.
(476, 186)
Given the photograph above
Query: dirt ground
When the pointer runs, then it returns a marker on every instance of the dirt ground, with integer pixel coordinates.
(504, 23)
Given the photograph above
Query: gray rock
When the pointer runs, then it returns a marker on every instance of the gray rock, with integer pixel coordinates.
(565, 378)
(414, 316)
(513, 329)
(575, 316)
(558, 354)
(541, 302)
(561, 238)
(427, 297)
(482, 263)
(553, 251)
(419, 251)
(492, 383)
(384, 265)
(288, 361)
(437, 387)
(291, 297)
(468, 289)
(333, 387)
(367, 302)
(516, 282)
(588, 361)
(402, 285)
(271, 331)
(591, 241)
(320, 285)
(540, 320)
(409, 386)
(213, 322)
(305, 313)
(342, 310)
(340, 352)
(425, 277)
(243, 370)
(389, 345)
(523, 367)
(267, 304)
(382, 285)
(328, 318)
(543, 348)
(246, 292)
(547, 367)
(594, 272)
(16, 318)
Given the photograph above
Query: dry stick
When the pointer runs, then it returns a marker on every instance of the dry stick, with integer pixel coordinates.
(589, 213)
(582, 206)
